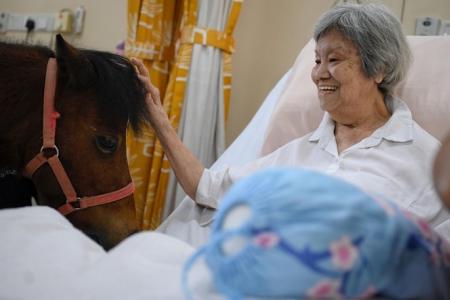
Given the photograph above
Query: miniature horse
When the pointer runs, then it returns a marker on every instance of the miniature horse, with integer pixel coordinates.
(72, 146)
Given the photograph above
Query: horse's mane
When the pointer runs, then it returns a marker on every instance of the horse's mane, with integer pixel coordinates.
(16, 52)
(120, 94)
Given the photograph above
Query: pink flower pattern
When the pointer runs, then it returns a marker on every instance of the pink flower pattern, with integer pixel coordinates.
(439, 247)
(324, 289)
(266, 240)
(425, 229)
(423, 226)
(343, 253)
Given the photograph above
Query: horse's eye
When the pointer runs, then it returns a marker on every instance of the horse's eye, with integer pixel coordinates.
(106, 144)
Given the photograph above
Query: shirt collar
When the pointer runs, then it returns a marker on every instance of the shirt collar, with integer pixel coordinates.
(325, 129)
(399, 127)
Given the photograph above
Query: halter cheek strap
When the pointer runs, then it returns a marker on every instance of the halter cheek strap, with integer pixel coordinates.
(73, 202)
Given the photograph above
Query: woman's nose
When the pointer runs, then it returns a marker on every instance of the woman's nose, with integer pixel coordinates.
(322, 71)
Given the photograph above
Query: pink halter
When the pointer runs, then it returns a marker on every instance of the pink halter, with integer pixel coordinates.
(73, 202)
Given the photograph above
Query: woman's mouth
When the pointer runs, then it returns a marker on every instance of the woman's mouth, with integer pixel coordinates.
(326, 89)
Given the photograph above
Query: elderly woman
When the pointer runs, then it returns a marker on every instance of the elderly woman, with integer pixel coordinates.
(367, 136)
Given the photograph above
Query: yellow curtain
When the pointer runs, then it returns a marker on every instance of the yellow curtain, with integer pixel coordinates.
(151, 35)
(157, 29)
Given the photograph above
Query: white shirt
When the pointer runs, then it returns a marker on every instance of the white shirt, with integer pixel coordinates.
(394, 162)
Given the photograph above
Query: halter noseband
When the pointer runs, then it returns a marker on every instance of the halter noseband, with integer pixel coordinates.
(73, 202)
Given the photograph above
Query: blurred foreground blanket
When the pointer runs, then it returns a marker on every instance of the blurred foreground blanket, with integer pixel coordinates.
(42, 256)
(288, 233)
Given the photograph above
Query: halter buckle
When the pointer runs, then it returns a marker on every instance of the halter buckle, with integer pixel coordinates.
(46, 154)
(76, 205)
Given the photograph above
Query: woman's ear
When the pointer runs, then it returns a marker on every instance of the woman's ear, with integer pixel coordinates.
(74, 69)
(441, 172)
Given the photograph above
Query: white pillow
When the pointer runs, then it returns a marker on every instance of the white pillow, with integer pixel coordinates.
(426, 90)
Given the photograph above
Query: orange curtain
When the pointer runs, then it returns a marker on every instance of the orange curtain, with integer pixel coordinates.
(157, 30)
(152, 30)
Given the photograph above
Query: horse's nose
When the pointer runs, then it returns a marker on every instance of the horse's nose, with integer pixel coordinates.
(133, 232)
(95, 238)
(104, 242)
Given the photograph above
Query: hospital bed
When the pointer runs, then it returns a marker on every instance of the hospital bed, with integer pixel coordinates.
(292, 110)
(43, 257)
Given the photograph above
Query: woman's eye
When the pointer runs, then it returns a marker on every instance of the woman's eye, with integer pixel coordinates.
(106, 144)
(317, 61)
(333, 59)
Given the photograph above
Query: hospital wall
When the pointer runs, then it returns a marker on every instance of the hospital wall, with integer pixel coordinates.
(104, 26)
(269, 35)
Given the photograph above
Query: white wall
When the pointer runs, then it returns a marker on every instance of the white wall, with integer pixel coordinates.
(104, 27)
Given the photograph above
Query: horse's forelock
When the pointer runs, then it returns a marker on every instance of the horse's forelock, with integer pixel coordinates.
(119, 90)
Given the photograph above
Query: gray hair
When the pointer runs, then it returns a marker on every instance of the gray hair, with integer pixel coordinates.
(378, 36)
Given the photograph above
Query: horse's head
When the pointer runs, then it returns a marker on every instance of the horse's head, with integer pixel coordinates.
(97, 96)
(441, 172)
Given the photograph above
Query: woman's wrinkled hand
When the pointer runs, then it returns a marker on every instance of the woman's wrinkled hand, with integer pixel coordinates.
(158, 115)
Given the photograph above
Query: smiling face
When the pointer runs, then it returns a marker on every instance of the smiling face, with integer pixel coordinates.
(343, 88)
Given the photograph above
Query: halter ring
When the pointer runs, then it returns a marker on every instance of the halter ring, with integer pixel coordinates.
(54, 147)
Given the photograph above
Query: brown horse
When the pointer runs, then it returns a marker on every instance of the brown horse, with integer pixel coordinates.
(74, 149)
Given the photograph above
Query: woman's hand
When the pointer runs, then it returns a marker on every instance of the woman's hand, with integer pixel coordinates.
(188, 169)
(158, 116)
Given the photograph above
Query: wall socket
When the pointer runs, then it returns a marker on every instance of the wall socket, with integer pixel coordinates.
(17, 22)
(3, 21)
(63, 21)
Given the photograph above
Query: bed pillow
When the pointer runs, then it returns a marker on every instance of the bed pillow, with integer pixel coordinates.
(426, 90)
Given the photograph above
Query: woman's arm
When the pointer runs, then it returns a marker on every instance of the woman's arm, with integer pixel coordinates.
(187, 168)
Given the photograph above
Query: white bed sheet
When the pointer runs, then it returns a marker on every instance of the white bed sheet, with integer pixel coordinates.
(42, 256)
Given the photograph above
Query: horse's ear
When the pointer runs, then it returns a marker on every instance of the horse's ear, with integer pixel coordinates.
(74, 68)
(64, 50)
